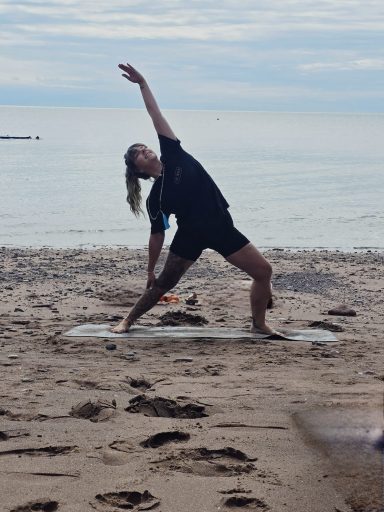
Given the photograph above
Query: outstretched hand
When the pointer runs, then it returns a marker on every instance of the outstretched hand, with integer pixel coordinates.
(160, 123)
(131, 74)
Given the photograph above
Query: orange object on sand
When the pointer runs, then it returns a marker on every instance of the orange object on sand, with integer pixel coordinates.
(169, 299)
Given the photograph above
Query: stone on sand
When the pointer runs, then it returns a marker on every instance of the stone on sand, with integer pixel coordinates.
(342, 310)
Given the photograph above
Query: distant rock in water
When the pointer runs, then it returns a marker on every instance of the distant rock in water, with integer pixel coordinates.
(7, 137)
(13, 137)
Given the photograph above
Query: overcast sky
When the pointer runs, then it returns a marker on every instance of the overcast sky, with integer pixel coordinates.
(268, 55)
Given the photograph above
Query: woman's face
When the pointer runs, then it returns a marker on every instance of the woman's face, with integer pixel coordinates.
(144, 158)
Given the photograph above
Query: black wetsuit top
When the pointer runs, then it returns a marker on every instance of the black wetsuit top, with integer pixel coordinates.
(184, 189)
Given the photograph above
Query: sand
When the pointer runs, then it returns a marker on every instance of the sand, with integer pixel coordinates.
(189, 425)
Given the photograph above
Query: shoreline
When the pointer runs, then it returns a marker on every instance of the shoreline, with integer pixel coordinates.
(303, 416)
(273, 248)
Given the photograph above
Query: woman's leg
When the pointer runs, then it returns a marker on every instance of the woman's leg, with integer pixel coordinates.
(174, 268)
(251, 261)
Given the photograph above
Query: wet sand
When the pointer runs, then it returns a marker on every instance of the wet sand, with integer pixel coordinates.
(223, 424)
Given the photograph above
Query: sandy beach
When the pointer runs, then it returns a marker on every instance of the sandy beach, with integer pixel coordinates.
(189, 425)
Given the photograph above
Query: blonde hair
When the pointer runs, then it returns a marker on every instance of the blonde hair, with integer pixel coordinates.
(132, 176)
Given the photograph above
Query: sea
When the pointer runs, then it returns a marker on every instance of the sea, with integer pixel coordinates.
(293, 180)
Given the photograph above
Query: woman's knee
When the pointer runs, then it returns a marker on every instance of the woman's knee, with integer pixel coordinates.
(263, 272)
(166, 282)
(175, 267)
(268, 270)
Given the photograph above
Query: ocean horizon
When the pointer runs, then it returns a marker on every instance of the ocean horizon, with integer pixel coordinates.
(293, 180)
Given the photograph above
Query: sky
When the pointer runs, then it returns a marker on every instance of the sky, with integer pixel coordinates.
(258, 55)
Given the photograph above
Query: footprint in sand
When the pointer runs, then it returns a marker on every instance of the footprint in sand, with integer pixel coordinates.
(23, 416)
(245, 503)
(44, 506)
(48, 451)
(204, 462)
(140, 383)
(127, 500)
(8, 434)
(124, 447)
(163, 438)
(164, 408)
(114, 457)
(100, 410)
(86, 384)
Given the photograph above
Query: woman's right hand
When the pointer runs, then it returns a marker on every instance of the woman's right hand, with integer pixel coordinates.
(151, 280)
(131, 74)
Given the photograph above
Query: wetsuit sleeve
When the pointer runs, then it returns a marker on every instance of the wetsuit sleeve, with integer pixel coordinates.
(160, 223)
(156, 226)
(169, 147)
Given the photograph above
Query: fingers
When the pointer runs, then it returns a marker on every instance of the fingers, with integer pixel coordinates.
(130, 73)
(127, 68)
(151, 283)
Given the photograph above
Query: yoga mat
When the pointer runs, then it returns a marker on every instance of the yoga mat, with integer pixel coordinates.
(142, 332)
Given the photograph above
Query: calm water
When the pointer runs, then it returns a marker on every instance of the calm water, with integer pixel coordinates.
(292, 180)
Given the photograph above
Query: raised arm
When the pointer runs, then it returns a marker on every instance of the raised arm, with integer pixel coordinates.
(160, 123)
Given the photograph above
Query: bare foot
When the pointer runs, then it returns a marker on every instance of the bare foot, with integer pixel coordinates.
(123, 326)
(265, 329)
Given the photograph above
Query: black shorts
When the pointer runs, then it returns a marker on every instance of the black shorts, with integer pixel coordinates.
(219, 235)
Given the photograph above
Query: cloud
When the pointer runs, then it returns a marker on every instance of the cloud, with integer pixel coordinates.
(36, 74)
(229, 51)
(193, 20)
(365, 64)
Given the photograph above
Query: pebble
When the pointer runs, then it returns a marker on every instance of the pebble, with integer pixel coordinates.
(342, 310)
(131, 356)
(183, 360)
(110, 346)
(13, 356)
(366, 373)
(27, 379)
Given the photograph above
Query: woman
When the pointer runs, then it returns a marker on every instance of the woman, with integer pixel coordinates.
(184, 188)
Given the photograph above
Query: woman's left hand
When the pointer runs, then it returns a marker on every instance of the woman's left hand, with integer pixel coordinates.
(131, 74)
